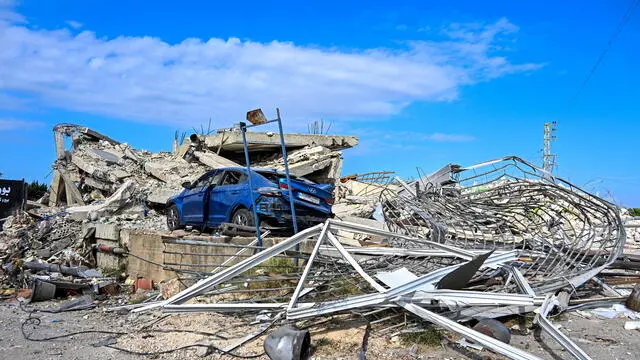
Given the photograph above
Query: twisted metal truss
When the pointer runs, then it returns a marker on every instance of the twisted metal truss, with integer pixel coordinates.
(505, 232)
(564, 233)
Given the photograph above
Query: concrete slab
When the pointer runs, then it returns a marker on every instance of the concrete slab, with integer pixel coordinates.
(160, 196)
(83, 164)
(100, 185)
(106, 156)
(97, 135)
(111, 204)
(329, 164)
(268, 141)
(213, 160)
(120, 174)
(162, 171)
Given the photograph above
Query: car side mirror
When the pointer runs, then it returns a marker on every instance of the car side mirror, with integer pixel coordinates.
(186, 184)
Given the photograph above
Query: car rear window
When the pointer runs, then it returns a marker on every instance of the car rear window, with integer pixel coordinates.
(275, 176)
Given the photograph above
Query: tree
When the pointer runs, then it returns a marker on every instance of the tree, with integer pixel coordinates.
(634, 211)
(36, 190)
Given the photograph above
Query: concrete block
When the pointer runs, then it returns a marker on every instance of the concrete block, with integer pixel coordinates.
(160, 196)
(86, 228)
(106, 261)
(124, 238)
(108, 232)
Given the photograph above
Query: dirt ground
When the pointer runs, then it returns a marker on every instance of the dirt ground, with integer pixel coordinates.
(600, 338)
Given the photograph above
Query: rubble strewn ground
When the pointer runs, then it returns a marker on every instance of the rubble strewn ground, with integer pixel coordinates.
(405, 270)
(601, 338)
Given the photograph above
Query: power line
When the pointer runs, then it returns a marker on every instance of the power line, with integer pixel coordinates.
(623, 22)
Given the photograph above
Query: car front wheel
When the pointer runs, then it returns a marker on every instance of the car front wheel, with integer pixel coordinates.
(173, 218)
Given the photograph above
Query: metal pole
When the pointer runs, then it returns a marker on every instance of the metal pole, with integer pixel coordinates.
(253, 201)
(286, 171)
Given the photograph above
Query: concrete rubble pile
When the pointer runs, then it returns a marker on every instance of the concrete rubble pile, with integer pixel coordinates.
(357, 195)
(49, 255)
(458, 248)
(100, 183)
(97, 167)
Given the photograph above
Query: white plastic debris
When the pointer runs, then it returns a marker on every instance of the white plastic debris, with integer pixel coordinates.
(632, 325)
(616, 311)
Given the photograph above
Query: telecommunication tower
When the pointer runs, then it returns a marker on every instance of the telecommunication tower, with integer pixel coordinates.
(549, 159)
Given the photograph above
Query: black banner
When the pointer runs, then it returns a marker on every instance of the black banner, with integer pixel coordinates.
(12, 197)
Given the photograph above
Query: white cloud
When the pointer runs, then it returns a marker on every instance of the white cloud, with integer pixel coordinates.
(375, 141)
(412, 136)
(147, 79)
(74, 24)
(14, 124)
(7, 13)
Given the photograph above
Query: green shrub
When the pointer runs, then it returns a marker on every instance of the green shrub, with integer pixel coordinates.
(35, 190)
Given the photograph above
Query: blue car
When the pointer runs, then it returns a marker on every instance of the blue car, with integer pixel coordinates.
(223, 196)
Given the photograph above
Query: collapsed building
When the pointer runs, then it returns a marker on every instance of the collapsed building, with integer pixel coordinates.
(101, 188)
(500, 238)
(96, 166)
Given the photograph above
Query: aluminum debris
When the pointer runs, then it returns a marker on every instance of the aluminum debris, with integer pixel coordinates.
(509, 203)
(333, 282)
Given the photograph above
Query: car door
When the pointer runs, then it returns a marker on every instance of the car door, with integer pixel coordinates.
(193, 200)
(233, 190)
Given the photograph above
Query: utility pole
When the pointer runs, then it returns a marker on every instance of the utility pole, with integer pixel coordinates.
(549, 159)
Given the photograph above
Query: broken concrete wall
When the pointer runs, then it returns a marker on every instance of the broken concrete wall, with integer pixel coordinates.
(157, 256)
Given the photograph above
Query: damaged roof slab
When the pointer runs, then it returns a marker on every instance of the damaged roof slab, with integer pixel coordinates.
(232, 141)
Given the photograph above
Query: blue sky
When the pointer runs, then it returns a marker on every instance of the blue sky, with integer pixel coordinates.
(421, 84)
